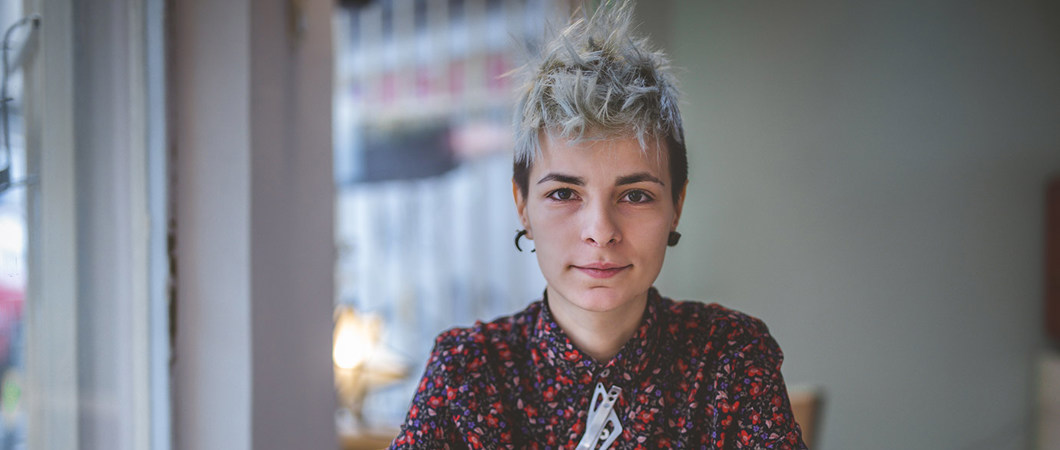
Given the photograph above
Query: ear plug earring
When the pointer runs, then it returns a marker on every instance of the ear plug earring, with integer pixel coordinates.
(518, 235)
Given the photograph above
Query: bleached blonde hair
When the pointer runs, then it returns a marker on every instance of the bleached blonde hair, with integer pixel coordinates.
(595, 79)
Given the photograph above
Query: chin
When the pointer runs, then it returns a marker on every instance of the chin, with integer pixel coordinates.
(602, 299)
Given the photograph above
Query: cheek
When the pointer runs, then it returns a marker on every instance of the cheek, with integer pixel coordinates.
(648, 234)
(551, 224)
(647, 221)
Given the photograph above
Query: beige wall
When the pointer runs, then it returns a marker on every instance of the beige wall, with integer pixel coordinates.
(867, 177)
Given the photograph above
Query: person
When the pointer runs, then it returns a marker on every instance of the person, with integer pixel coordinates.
(602, 360)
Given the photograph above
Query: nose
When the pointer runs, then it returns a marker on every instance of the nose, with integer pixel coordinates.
(599, 227)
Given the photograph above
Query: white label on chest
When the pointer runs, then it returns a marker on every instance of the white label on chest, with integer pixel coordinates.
(602, 425)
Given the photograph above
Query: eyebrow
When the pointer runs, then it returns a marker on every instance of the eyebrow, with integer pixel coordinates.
(621, 181)
(637, 178)
(569, 179)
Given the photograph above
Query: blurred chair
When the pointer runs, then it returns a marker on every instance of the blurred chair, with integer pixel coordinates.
(365, 442)
(806, 406)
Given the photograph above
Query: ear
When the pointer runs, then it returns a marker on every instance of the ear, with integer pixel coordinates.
(520, 207)
(679, 205)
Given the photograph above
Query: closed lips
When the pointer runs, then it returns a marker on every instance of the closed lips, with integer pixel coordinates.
(602, 270)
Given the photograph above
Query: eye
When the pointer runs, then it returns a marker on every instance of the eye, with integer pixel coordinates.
(638, 196)
(562, 194)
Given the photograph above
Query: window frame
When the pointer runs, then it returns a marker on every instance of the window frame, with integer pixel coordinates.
(97, 327)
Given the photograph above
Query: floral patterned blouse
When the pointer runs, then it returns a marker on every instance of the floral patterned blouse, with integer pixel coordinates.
(692, 376)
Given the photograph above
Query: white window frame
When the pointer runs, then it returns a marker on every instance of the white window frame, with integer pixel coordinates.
(51, 312)
(97, 325)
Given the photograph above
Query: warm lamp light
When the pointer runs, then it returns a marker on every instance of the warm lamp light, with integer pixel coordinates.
(361, 363)
(354, 339)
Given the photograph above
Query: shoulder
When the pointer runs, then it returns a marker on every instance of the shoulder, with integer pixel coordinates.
(717, 327)
(469, 348)
(711, 319)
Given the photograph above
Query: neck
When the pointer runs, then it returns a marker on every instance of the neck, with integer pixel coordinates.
(599, 334)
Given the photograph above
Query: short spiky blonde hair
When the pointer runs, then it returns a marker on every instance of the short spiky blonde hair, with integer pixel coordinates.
(595, 79)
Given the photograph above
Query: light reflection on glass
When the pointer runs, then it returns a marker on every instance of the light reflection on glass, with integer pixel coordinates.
(13, 231)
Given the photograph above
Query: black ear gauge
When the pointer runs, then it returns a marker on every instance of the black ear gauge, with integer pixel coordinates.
(518, 235)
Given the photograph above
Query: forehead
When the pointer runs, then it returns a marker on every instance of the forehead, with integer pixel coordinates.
(603, 158)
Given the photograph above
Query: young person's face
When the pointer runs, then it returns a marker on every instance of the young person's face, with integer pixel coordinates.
(599, 213)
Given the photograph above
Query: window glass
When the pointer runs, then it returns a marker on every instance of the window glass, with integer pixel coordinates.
(13, 225)
(423, 165)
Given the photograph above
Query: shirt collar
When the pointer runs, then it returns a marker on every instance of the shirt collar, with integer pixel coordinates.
(558, 350)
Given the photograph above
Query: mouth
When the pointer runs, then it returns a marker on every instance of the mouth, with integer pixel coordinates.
(602, 270)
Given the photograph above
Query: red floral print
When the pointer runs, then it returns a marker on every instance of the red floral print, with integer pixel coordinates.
(692, 376)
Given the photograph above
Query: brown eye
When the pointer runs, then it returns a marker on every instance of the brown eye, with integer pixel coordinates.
(638, 196)
(562, 194)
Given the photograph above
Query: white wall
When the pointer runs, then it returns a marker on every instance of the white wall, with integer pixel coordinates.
(867, 177)
(211, 97)
(254, 208)
(291, 226)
